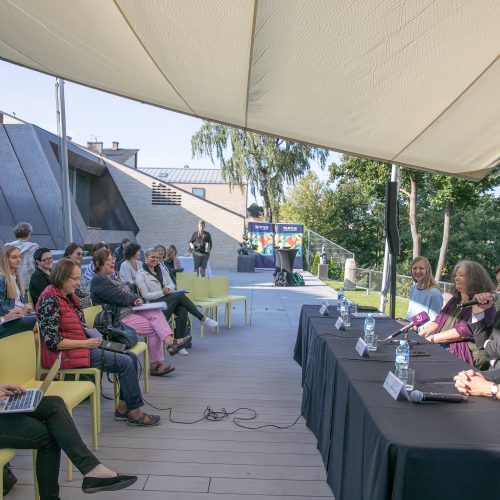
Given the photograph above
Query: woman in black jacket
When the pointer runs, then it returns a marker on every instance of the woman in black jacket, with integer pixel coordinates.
(40, 278)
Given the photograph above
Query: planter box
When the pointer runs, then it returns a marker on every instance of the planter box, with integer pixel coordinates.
(246, 263)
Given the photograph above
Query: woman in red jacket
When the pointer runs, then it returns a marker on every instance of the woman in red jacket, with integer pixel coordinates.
(62, 328)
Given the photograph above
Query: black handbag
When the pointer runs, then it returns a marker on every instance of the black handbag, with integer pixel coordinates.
(9, 480)
(113, 330)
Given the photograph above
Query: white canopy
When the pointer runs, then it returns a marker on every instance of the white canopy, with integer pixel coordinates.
(413, 82)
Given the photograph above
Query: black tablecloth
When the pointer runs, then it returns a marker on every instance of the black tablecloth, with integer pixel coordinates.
(376, 448)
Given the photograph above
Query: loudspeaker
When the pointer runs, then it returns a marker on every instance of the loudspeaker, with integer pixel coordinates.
(391, 221)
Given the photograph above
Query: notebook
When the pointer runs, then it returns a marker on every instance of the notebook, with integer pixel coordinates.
(27, 402)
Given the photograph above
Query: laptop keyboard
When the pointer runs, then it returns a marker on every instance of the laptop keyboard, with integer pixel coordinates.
(23, 401)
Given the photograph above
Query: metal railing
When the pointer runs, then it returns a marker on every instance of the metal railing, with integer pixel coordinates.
(316, 243)
(371, 281)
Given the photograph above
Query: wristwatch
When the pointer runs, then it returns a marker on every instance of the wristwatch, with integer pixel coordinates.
(494, 390)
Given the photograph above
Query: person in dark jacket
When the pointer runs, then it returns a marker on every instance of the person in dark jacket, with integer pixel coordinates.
(201, 246)
(40, 278)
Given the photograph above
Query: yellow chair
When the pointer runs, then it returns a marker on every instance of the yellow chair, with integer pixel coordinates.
(18, 366)
(201, 294)
(90, 313)
(219, 288)
(188, 283)
(6, 455)
(187, 275)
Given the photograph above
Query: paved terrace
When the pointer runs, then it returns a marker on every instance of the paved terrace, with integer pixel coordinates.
(246, 366)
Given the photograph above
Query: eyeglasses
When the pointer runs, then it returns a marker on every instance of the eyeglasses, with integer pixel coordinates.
(48, 259)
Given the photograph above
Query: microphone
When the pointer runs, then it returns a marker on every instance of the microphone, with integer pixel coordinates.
(419, 397)
(417, 320)
(495, 297)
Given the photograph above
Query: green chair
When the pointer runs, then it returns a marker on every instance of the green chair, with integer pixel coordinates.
(219, 288)
(6, 455)
(201, 294)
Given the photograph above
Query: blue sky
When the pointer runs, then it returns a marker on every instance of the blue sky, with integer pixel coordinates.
(163, 137)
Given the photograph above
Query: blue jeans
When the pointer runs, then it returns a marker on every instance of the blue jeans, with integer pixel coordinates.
(126, 365)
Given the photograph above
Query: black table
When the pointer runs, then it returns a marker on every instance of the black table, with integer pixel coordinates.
(376, 448)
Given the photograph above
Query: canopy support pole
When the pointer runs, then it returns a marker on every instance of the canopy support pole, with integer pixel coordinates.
(63, 160)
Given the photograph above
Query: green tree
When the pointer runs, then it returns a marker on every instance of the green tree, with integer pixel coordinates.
(256, 210)
(267, 163)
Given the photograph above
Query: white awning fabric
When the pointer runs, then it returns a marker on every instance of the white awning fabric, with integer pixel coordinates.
(413, 82)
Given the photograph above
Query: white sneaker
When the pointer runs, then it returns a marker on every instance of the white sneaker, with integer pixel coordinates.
(183, 352)
(209, 322)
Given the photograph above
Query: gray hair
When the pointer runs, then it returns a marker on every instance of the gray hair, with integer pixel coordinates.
(149, 251)
(23, 230)
(478, 280)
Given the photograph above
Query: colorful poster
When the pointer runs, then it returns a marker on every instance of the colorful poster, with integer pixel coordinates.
(291, 236)
(262, 236)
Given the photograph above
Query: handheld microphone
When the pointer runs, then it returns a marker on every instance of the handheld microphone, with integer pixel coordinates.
(495, 297)
(417, 320)
(419, 397)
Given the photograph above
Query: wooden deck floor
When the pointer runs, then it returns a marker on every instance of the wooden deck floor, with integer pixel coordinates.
(246, 366)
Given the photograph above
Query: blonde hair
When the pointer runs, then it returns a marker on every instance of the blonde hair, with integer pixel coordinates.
(429, 281)
(5, 271)
(171, 253)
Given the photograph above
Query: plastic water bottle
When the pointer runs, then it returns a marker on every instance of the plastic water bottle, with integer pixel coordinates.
(340, 298)
(369, 330)
(402, 360)
(344, 312)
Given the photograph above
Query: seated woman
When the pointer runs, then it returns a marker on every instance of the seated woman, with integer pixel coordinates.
(106, 289)
(12, 306)
(74, 251)
(172, 262)
(62, 328)
(155, 284)
(131, 264)
(40, 278)
(450, 326)
(424, 294)
(49, 429)
(89, 272)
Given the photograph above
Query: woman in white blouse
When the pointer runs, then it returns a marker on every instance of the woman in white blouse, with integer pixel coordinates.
(131, 264)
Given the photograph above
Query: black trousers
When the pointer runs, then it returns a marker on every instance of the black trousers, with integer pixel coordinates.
(48, 429)
(181, 305)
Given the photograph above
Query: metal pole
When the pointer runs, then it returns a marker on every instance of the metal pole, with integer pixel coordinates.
(385, 273)
(63, 160)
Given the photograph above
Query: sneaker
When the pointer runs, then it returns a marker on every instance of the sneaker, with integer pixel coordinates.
(183, 352)
(209, 322)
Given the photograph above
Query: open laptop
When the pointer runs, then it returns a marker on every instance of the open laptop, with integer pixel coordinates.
(27, 402)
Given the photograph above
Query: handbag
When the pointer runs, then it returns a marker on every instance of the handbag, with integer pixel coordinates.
(113, 330)
(9, 480)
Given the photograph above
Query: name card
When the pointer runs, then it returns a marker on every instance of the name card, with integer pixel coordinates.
(339, 325)
(362, 348)
(395, 387)
(323, 310)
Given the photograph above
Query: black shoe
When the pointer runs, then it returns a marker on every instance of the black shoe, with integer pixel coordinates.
(96, 484)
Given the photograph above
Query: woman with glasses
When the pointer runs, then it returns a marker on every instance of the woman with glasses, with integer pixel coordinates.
(63, 329)
(74, 251)
(40, 278)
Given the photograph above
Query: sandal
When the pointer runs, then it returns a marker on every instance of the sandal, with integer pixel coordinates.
(121, 416)
(151, 421)
(160, 370)
(178, 344)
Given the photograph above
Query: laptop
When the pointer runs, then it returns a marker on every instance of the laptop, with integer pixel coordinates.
(28, 402)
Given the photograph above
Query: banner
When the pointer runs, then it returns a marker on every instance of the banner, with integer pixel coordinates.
(262, 235)
(291, 236)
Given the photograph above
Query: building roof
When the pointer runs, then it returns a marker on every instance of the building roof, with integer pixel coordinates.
(120, 155)
(187, 175)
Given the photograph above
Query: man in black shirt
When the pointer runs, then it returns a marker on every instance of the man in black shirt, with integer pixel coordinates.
(201, 245)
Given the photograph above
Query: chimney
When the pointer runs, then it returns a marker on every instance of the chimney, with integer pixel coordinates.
(95, 146)
(115, 145)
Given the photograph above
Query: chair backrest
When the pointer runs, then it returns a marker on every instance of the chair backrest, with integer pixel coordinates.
(90, 313)
(17, 358)
(201, 288)
(190, 274)
(219, 286)
(185, 283)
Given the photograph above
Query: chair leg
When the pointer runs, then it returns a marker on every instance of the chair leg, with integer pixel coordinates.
(115, 390)
(69, 465)
(246, 313)
(145, 371)
(95, 424)
(35, 480)
(98, 401)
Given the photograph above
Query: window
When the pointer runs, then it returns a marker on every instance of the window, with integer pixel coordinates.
(163, 195)
(200, 192)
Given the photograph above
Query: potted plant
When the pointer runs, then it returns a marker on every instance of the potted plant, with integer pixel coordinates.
(246, 255)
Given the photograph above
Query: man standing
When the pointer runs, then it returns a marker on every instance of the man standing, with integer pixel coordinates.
(201, 245)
